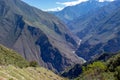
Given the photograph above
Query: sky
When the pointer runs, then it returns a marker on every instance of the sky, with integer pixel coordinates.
(55, 5)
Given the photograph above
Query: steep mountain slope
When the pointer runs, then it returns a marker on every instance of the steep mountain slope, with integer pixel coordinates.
(72, 12)
(36, 35)
(77, 69)
(10, 57)
(15, 67)
(107, 68)
(101, 32)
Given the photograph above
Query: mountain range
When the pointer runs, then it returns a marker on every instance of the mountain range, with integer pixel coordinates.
(96, 24)
(81, 42)
(101, 32)
(72, 12)
(37, 35)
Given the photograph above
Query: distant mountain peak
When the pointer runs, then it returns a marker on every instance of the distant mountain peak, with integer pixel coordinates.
(72, 12)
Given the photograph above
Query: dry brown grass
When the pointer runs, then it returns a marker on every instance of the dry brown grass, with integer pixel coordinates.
(1, 78)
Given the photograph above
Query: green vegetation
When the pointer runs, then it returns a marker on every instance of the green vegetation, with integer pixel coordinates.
(97, 66)
(14, 67)
(113, 62)
(109, 70)
(33, 64)
(8, 56)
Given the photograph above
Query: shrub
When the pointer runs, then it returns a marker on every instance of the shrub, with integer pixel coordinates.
(117, 73)
(114, 62)
(99, 66)
(33, 64)
(11, 79)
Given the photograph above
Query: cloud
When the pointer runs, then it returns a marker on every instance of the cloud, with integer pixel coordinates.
(55, 9)
(71, 3)
(105, 0)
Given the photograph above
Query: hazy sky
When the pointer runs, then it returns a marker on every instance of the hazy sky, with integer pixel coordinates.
(53, 5)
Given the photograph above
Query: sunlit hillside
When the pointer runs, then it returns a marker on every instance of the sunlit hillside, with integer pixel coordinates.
(14, 67)
(13, 73)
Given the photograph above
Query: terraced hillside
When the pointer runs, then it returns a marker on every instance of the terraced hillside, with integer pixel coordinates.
(13, 73)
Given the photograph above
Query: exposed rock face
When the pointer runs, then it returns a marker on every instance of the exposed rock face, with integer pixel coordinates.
(37, 35)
